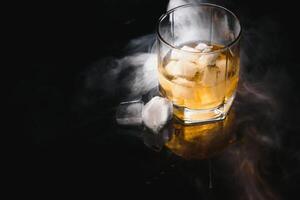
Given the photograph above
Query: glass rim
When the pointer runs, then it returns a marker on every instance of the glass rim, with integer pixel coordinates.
(163, 16)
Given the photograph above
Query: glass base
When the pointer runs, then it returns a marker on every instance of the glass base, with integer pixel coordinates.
(191, 116)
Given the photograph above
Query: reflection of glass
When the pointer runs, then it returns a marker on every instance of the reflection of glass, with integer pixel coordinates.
(199, 60)
(203, 140)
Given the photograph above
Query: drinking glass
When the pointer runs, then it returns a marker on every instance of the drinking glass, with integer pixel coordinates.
(199, 60)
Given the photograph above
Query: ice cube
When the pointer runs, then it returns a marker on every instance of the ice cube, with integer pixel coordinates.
(130, 113)
(172, 68)
(188, 54)
(183, 82)
(156, 113)
(191, 49)
(188, 69)
(182, 89)
(210, 76)
(208, 59)
(201, 46)
(221, 63)
(182, 68)
(215, 74)
(208, 49)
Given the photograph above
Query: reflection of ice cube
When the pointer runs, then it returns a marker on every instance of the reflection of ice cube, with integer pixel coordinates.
(157, 141)
(130, 113)
(186, 53)
(156, 113)
(182, 68)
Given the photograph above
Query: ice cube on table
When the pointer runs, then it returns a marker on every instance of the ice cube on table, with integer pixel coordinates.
(182, 68)
(156, 113)
(130, 113)
(185, 53)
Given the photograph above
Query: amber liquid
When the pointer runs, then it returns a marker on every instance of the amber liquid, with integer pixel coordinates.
(200, 85)
(201, 141)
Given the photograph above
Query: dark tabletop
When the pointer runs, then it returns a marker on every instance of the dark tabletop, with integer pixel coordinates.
(64, 97)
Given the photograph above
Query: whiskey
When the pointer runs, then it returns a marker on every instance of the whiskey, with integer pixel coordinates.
(199, 76)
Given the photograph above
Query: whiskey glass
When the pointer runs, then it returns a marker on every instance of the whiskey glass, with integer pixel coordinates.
(199, 60)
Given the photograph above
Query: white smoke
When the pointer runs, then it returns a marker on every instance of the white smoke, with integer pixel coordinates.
(140, 63)
(140, 67)
(137, 72)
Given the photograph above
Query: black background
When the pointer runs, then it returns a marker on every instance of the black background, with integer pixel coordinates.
(58, 145)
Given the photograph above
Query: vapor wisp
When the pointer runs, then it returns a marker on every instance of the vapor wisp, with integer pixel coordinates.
(257, 103)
